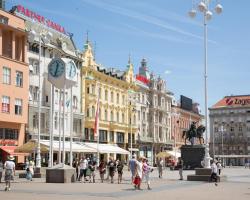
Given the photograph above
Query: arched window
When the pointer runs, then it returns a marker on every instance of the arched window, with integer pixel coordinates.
(117, 117)
(93, 111)
(111, 116)
(106, 115)
(106, 95)
(117, 98)
(123, 118)
(112, 96)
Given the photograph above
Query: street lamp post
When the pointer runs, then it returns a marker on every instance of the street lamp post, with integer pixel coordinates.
(44, 36)
(222, 152)
(203, 7)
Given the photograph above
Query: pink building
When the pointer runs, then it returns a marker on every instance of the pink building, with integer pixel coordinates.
(14, 88)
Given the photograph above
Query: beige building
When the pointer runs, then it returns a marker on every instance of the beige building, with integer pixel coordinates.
(14, 73)
(115, 108)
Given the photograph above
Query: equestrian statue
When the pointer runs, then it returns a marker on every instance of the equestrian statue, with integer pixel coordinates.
(193, 133)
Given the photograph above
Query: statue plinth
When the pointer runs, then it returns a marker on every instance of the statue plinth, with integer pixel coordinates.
(192, 156)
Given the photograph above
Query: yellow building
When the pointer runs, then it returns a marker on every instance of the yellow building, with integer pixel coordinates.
(115, 109)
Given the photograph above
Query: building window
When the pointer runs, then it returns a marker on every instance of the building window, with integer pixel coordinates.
(35, 120)
(1, 133)
(120, 137)
(117, 117)
(19, 79)
(232, 129)
(5, 104)
(106, 95)
(6, 75)
(93, 111)
(111, 116)
(123, 100)
(117, 98)
(75, 102)
(123, 118)
(240, 128)
(87, 90)
(103, 135)
(112, 97)
(10, 134)
(139, 115)
(56, 121)
(111, 136)
(18, 106)
(106, 115)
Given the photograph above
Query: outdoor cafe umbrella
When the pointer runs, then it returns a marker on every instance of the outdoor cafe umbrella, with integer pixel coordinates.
(163, 154)
(31, 146)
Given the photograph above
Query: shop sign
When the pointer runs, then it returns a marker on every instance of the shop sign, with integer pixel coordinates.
(237, 101)
(8, 143)
(39, 18)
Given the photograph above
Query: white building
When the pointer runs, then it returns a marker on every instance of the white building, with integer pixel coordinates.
(60, 45)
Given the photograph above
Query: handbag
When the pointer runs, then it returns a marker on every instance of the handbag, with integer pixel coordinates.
(137, 180)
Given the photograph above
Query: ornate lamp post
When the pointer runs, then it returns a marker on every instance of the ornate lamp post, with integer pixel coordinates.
(203, 7)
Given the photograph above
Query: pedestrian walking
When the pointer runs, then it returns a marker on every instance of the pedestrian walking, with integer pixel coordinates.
(9, 167)
(160, 167)
(132, 167)
(83, 168)
(30, 170)
(76, 166)
(219, 166)
(102, 170)
(214, 173)
(1, 170)
(119, 170)
(180, 167)
(112, 168)
(92, 168)
(138, 176)
(146, 172)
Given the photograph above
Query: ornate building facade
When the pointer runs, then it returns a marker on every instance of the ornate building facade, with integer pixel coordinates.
(160, 100)
(117, 119)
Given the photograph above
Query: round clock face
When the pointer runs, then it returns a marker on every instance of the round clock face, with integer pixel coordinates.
(71, 70)
(56, 68)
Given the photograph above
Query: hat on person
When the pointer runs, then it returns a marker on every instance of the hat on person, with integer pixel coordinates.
(11, 157)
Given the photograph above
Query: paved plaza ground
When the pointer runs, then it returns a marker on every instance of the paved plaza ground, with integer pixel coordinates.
(169, 187)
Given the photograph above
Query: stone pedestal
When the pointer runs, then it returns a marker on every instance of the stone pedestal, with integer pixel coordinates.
(60, 174)
(192, 156)
(203, 174)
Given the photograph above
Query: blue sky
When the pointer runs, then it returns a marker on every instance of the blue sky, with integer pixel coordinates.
(162, 32)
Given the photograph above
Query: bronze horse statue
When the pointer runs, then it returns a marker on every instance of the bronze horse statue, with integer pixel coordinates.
(194, 132)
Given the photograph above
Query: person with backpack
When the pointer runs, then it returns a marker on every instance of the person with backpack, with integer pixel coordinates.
(92, 168)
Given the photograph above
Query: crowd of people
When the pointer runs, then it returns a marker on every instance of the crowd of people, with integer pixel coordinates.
(87, 168)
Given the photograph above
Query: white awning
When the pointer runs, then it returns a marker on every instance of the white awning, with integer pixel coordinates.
(133, 149)
(77, 147)
(107, 148)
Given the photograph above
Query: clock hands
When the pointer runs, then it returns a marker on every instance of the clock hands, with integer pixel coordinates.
(57, 66)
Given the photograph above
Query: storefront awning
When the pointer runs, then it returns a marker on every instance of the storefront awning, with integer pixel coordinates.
(11, 151)
(77, 147)
(133, 149)
(107, 148)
